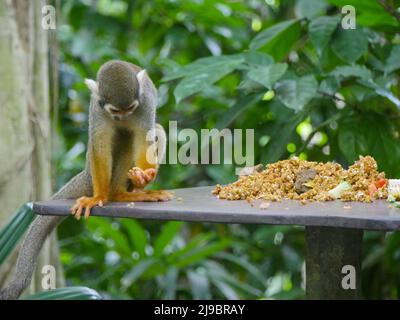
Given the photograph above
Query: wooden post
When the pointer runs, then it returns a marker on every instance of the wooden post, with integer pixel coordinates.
(328, 250)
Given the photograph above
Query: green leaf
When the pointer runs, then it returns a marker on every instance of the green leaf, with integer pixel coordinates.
(257, 58)
(350, 44)
(139, 269)
(218, 273)
(14, 230)
(278, 39)
(69, 293)
(170, 284)
(268, 75)
(350, 143)
(242, 104)
(330, 85)
(120, 240)
(198, 82)
(296, 93)
(169, 231)
(246, 265)
(282, 135)
(383, 92)
(204, 66)
(197, 241)
(201, 253)
(203, 73)
(321, 29)
(393, 61)
(310, 8)
(370, 134)
(359, 71)
(228, 292)
(199, 285)
(137, 235)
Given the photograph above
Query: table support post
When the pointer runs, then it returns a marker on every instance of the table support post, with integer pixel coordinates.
(328, 250)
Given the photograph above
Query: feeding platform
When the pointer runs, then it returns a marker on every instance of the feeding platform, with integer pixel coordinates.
(333, 230)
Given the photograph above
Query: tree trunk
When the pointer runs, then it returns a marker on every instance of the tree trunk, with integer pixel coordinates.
(24, 118)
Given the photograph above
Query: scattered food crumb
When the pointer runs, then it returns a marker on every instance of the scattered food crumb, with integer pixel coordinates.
(303, 202)
(347, 207)
(130, 204)
(179, 199)
(265, 205)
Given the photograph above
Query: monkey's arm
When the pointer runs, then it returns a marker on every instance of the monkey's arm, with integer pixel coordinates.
(100, 162)
(149, 150)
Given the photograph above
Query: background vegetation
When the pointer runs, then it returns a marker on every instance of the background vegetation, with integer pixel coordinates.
(331, 95)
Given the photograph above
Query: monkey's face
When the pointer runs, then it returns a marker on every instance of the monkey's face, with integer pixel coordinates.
(118, 113)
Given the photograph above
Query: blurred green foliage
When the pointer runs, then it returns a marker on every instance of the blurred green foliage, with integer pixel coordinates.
(287, 69)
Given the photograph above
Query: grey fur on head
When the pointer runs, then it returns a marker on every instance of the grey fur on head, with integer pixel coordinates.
(118, 84)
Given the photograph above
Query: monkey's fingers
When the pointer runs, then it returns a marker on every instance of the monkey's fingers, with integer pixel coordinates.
(87, 212)
(90, 203)
(77, 208)
(150, 174)
(85, 204)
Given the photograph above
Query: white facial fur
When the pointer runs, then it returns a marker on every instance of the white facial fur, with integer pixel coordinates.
(120, 114)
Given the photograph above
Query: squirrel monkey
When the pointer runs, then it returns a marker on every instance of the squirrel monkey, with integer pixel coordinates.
(122, 131)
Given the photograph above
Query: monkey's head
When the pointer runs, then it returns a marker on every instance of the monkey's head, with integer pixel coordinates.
(116, 88)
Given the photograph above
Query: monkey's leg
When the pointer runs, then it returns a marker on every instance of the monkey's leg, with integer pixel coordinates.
(100, 158)
(41, 227)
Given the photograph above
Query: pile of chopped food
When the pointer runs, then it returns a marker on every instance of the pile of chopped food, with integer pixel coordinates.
(310, 181)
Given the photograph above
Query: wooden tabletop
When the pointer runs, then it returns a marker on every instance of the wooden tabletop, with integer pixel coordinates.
(198, 204)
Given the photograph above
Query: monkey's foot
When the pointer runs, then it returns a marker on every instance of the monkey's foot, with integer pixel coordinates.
(86, 203)
(140, 178)
(143, 195)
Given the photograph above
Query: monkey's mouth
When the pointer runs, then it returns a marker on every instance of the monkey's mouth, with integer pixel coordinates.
(117, 118)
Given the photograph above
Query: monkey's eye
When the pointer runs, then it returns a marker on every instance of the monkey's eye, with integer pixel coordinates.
(101, 103)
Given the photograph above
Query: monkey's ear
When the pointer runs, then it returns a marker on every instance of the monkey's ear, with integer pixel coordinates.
(147, 91)
(141, 78)
(93, 86)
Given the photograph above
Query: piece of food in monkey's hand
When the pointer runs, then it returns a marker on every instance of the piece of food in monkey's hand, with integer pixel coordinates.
(140, 178)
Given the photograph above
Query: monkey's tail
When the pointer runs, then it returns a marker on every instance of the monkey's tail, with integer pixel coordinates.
(41, 227)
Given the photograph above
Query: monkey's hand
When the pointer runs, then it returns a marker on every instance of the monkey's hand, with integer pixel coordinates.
(141, 178)
(86, 203)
